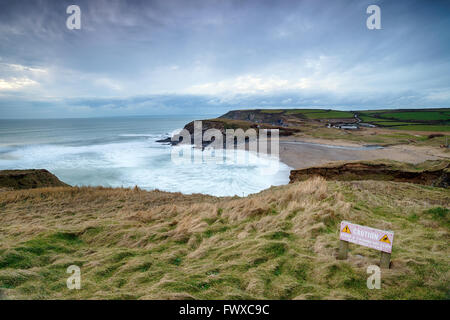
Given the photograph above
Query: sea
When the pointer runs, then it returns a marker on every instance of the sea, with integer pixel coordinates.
(123, 152)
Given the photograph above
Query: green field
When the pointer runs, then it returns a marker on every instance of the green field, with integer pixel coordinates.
(367, 118)
(272, 111)
(414, 120)
(332, 114)
(304, 111)
(420, 115)
(314, 114)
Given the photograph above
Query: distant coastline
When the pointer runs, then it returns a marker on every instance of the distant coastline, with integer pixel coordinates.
(310, 137)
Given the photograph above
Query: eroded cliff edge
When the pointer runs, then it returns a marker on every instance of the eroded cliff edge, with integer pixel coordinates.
(430, 173)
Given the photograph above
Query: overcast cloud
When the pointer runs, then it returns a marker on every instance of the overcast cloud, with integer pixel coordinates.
(165, 57)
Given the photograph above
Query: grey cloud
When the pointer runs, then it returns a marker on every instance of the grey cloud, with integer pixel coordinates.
(128, 50)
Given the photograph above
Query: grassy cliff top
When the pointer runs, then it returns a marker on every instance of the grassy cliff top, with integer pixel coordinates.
(435, 120)
(28, 179)
(278, 244)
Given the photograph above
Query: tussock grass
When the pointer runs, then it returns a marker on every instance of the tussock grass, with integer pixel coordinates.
(278, 244)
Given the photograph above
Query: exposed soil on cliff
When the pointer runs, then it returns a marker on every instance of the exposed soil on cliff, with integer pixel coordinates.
(431, 173)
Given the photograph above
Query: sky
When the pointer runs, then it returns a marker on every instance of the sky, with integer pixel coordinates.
(210, 56)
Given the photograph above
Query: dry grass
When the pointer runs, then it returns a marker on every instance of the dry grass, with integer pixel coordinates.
(278, 244)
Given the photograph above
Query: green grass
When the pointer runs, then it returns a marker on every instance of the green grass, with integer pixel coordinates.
(304, 111)
(399, 120)
(417, 115)
(38, 251)
(312, 113)
(272, 111)
(424, 127)
(330, 115)
(390, 123)
(367, 118)
(440, 214)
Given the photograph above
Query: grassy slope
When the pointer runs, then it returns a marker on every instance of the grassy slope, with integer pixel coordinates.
(280, 243)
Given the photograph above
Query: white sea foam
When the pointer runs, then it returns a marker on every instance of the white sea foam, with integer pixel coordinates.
(148, 165)
(175, 132)
(139, 135)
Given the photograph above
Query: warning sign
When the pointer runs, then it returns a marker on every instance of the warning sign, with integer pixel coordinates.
(346, 229)
(369, 237)
(385, 239)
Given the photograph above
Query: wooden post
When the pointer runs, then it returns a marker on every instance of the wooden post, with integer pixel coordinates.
(385, 260)
(343, 250)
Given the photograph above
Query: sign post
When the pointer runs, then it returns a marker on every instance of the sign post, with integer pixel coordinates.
(343, 250)
(369, 237)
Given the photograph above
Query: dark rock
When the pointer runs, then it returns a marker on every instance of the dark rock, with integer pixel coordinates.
(166, 140)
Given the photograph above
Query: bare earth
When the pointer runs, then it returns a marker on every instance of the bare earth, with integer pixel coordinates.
(307, 152)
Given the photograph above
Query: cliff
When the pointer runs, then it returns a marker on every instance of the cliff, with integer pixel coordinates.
(29, 179)
(222, 125)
